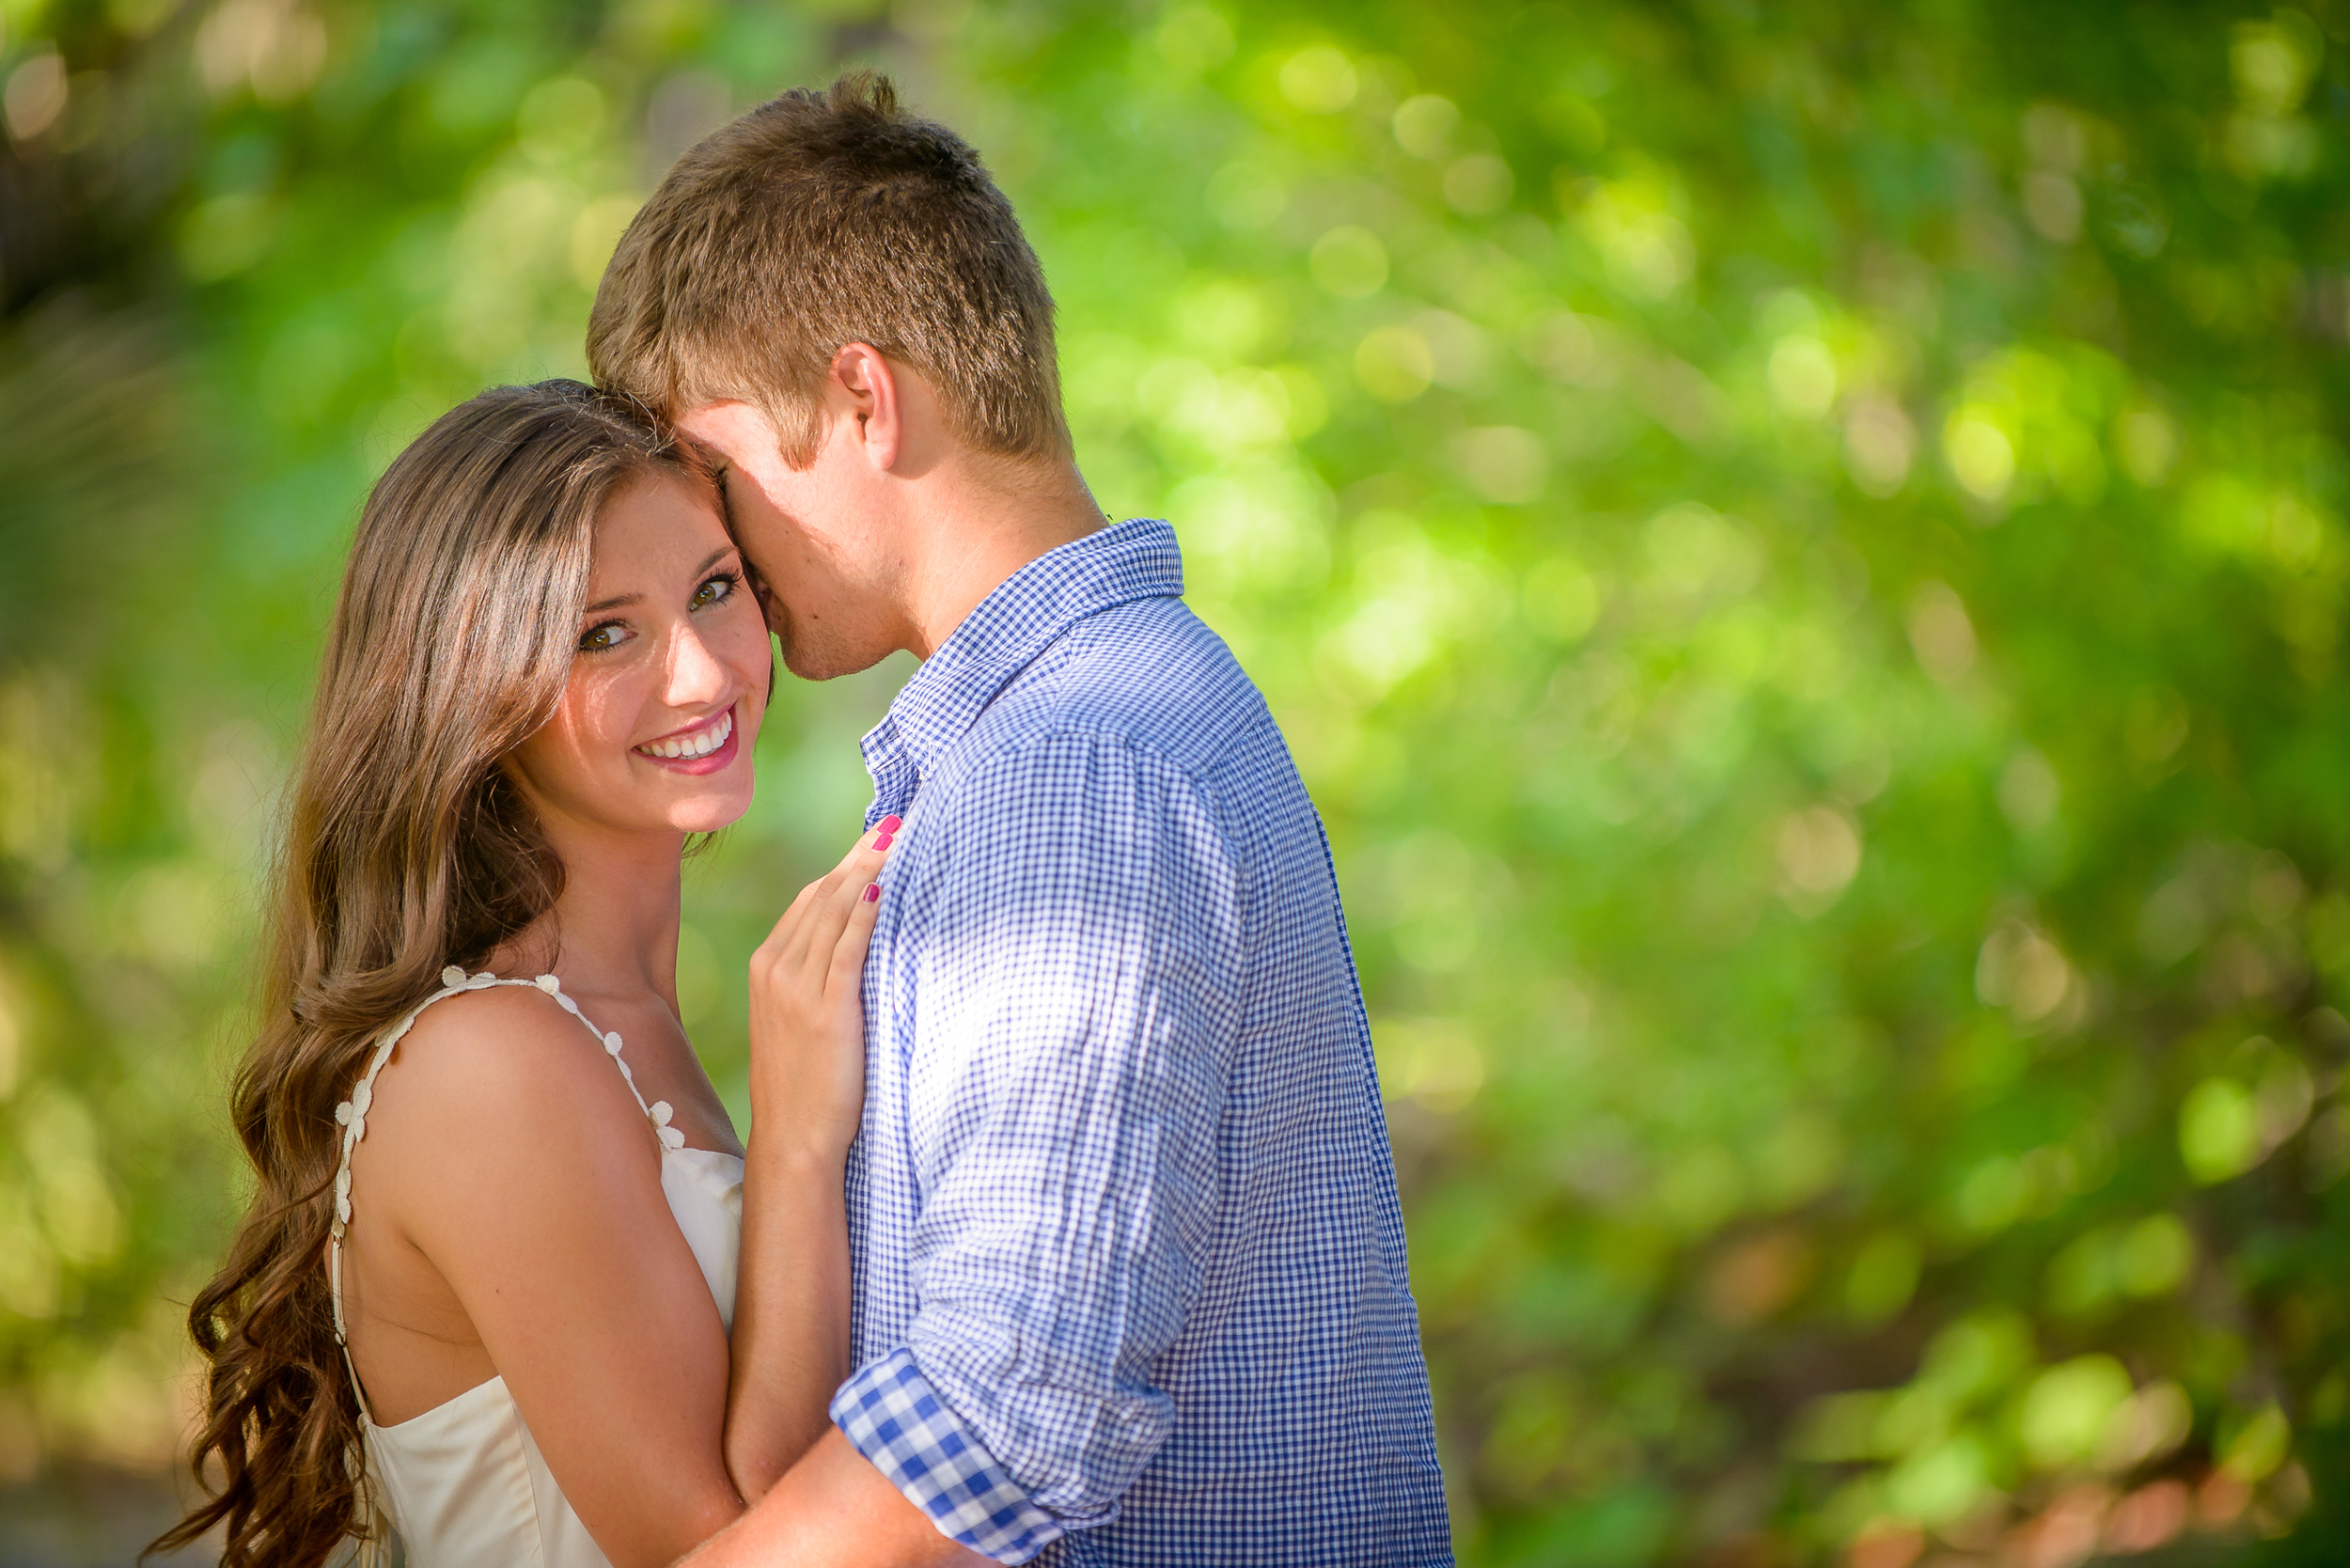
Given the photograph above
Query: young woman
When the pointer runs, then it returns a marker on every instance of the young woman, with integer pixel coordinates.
(484, 1289)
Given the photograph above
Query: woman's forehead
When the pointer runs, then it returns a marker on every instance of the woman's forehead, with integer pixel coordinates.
(655, 527)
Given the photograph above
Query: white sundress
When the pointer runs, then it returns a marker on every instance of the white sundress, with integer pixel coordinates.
(464, 1483)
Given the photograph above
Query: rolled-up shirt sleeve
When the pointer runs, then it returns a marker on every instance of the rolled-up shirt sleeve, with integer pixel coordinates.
(1078, 1000)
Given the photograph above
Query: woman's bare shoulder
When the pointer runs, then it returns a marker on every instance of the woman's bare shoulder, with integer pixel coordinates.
(507, 1056)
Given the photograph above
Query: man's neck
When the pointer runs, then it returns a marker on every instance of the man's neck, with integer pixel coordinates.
(975, 534)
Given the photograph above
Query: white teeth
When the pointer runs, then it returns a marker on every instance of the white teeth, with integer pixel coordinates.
(700, 743)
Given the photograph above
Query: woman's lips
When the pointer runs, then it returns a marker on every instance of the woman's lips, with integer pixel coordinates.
(720, 735)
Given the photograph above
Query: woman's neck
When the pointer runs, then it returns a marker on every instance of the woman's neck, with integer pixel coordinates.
(613, 930)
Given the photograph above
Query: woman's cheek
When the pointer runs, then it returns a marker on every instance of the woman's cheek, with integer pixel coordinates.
(746, 651)
(599, 716)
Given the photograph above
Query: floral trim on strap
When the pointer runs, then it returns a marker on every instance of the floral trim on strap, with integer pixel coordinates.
(351, 1116)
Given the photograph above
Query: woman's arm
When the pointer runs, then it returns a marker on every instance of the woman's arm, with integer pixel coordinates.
(522, 1187)
(807, 1094)
(509, 1189)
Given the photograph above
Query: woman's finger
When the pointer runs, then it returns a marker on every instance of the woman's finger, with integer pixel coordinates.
(828, 915)
(787, 921)
(877, 840)
(807, 1012)
(856, 938)
(802, 941)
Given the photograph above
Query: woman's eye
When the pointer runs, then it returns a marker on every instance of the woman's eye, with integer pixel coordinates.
(715, 592)
(600, 639)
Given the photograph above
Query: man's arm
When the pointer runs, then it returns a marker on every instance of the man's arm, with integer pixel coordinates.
(1080, 960)
(831, 1510)
(1082, 953)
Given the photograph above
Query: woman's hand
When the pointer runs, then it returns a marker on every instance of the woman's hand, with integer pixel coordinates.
(790, 1345)
(808, 1009)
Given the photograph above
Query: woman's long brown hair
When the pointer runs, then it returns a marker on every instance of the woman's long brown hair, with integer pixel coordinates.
(407, 848)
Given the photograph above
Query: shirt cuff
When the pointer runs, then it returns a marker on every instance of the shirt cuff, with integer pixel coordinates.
(892, 1416)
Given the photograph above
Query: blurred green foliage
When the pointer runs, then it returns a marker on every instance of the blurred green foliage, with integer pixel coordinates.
(1800, 548)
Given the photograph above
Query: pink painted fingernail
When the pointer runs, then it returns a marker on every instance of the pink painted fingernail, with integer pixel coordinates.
(882, 842)
(872, 891)
(889, 825)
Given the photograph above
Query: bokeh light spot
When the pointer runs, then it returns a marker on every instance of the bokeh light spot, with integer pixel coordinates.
(1478, 184)
(1350, 262)
(1394, 364)
(1979, 453)
(1319, 80)
(1803, 375)
(1424, 126)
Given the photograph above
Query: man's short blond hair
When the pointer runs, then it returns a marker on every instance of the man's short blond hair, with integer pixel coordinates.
(822, 219)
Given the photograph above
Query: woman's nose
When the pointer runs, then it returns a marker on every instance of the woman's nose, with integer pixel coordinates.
(696, 676)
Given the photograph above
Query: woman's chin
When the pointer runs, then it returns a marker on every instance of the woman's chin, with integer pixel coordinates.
(709, 816)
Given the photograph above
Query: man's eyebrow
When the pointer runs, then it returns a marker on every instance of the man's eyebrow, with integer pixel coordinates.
(708, 562)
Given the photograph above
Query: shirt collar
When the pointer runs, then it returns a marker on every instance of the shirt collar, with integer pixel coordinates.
(1027, 613)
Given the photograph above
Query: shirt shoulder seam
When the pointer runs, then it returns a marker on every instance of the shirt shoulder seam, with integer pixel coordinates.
(1218, 802)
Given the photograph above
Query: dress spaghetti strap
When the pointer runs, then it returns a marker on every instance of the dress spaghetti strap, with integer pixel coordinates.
(353, 1116)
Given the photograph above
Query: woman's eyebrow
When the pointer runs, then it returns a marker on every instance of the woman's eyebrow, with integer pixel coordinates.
(708, 562)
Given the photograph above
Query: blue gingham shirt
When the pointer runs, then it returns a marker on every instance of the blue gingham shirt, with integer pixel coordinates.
(1128, 1260)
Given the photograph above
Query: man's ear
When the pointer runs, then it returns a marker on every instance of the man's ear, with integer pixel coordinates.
(862, 373)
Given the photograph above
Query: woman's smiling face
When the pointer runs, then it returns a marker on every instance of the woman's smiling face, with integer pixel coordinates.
(670, 681)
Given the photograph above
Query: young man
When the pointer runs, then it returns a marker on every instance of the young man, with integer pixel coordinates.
(1128, 1259)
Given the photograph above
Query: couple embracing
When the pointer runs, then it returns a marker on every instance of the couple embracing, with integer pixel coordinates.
(1066, 1229)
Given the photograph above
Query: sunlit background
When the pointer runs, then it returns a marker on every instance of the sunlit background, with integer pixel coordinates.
(1799, 547)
